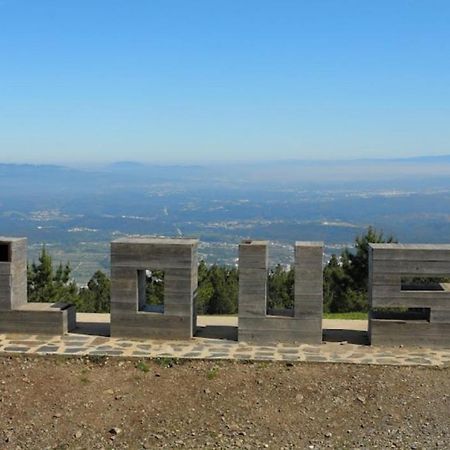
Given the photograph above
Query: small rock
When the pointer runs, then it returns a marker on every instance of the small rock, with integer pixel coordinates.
(78, 434)
(115, 431)
(361, 399)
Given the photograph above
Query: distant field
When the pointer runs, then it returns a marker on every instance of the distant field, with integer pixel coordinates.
(337, 316)
(346, 316)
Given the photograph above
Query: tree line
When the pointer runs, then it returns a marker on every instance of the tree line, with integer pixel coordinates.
(345, 283)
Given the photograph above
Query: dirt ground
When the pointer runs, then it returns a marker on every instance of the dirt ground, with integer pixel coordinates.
(57, 402)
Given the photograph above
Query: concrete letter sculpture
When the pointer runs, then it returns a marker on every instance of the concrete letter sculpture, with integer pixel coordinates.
(16, 314)
(130, 316)
(305, 325)
(425, 319)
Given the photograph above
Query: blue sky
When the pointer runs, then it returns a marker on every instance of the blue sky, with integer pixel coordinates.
(208, 80)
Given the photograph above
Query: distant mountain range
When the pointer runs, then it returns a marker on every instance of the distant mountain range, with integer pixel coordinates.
(411, 173)
(136, 165)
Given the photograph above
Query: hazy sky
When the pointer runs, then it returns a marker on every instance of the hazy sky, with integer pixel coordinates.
(194, 80)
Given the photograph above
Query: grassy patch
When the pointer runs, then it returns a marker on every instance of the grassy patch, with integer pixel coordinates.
(165, 361)
(97, 359)
(346, 316)
(263, 364)
(212, 373)
(142, 366)
(83, 377)
(60, 359)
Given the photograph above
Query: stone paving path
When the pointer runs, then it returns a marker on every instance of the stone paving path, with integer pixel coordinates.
(198, 348)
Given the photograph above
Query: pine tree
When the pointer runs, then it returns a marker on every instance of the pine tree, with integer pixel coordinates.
(346, 277)
(96, 297)
(45, 285)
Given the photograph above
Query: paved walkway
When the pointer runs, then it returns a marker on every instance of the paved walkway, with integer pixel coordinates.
(81, 343)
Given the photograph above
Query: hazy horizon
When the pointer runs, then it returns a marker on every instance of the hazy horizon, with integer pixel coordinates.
(228, 162)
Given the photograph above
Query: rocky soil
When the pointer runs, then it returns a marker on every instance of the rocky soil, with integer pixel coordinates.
(72, 403)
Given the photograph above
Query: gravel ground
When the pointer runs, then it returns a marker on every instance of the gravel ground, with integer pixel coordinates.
(57, 402)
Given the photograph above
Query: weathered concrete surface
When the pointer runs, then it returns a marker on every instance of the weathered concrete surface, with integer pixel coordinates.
(225, 327)
(130, 317)
(255, 325)
(13, 273)
(16, 314)
(428, 321)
